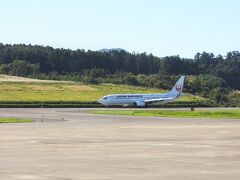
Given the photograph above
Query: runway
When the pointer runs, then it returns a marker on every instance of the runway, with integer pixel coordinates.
(68, 144)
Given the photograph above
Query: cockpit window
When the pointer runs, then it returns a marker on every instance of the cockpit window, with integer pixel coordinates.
(105, 98)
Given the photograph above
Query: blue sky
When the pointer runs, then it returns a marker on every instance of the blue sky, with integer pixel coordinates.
(161, 27)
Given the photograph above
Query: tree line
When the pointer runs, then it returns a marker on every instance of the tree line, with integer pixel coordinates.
(210, 75)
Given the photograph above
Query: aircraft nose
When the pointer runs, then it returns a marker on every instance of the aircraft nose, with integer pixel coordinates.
(103, 101)
(100, 100)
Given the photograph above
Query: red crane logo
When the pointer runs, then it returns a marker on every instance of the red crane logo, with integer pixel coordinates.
(178, 88)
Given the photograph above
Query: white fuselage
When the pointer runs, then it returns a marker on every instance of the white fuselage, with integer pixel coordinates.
(130, 99)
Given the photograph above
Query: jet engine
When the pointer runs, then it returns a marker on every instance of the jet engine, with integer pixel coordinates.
(140, 104)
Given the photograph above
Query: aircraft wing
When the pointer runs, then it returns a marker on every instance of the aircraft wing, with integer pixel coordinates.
(158, 100)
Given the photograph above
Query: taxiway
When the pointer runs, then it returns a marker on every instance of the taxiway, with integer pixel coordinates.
(69, 144)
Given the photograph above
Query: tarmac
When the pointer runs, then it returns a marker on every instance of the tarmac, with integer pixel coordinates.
(69, 144)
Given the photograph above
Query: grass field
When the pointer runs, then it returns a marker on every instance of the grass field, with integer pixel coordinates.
(69, 92)
(27, 92)
(233, 114)
(13, 120)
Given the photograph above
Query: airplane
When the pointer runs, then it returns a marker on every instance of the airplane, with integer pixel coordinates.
(142, 100)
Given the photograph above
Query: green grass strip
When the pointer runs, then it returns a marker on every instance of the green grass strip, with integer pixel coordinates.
(13, 120)
(218, 114)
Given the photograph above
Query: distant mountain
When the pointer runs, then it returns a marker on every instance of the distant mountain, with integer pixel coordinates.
(113, 49)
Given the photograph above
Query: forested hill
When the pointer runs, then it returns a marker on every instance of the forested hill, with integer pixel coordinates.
(208, 73)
